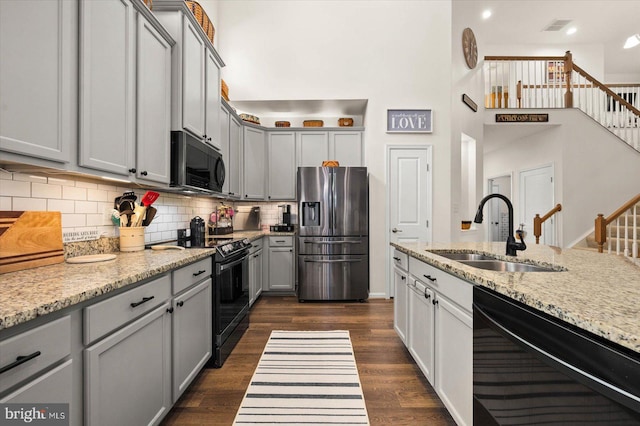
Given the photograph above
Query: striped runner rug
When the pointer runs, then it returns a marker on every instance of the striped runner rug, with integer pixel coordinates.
(305, 377)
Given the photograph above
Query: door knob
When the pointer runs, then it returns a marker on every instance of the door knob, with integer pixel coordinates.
(394, 230)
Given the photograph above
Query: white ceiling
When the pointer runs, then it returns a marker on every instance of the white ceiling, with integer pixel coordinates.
(606, 22)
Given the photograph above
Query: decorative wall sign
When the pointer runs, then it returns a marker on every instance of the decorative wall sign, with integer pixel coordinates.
(409, 121)
(469, 102)
(522, 118)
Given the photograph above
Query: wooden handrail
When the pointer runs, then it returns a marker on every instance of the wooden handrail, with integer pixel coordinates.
(538, 221)
(602, 222)
(524, 58)
(623, 85)
(605, 89)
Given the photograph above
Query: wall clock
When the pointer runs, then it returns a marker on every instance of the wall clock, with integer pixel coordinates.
(469, 48)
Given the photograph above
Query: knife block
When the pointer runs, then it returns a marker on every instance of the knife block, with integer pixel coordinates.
(29, 240)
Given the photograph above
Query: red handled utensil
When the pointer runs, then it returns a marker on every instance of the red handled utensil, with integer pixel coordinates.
(149, 198)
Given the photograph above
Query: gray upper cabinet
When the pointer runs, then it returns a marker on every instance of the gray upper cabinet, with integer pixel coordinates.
(153, 104)
(312, 148)
(195, 73)
(234, 175)
(231, 147)
(254, 163)
(346, 147)
(225, 117)
(107, 92)
(282, 166)
(212, 105)
(38, 79)
(193, 79)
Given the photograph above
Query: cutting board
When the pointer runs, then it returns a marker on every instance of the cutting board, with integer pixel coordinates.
(29, 239)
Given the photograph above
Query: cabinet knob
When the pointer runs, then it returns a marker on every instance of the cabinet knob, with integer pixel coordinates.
(132, 170)
(403, 278)
(209, 139)
(435, 302)
(180, 303)
(143, 173)
(170, 310)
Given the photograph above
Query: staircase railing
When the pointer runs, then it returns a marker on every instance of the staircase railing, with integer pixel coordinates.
(538, 221)
(556, 82)
(620, 218)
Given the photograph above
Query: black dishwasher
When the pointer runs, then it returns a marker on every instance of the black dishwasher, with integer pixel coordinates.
(530, 368)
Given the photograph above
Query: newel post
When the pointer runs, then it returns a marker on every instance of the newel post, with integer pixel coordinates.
(600, 231)
(537, 227)
(568, 68)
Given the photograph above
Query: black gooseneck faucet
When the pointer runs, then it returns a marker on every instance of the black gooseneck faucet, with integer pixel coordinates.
(512, 245)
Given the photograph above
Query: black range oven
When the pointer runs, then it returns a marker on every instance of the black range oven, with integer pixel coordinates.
(230, 297)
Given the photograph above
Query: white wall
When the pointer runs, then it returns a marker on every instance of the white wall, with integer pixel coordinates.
(392, 53)
(594, 171)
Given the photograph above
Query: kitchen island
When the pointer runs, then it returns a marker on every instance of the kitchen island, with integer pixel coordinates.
(598, 293)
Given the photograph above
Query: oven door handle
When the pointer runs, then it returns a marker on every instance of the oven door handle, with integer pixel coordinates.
(225, 266)
(601, 386)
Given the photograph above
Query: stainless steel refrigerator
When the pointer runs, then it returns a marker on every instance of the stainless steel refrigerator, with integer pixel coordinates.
(333, 239)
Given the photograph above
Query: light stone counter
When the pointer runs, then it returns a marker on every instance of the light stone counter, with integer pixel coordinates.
(599, 293)
(28, 294)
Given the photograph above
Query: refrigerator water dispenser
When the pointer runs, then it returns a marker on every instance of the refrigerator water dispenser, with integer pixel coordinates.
(311, 213)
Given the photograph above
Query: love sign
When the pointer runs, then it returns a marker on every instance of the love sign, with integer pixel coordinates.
(409, 121)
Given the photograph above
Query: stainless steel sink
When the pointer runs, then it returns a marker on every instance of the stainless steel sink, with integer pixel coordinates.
(464, 256)
(504, 266)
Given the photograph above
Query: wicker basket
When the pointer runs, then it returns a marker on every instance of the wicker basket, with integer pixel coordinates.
(202, 18)
(283, 124)
(345, 122)
(330, 163)
(313, 123)
(250, 118)
(224, 90)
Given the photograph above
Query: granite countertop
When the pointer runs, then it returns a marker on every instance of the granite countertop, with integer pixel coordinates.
(599, 293)
(31, 293)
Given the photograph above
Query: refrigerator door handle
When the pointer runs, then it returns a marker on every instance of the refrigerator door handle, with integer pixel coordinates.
(334, 201)
(333, 261)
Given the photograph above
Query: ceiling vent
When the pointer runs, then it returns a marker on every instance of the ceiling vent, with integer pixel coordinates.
(557, 25)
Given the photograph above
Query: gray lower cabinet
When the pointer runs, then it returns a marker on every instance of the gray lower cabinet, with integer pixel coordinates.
(281, 263)
(127, 374)
(192, 334)
(38, 78)
(53, 387)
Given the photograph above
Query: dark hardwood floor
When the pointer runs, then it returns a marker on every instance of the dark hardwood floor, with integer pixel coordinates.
(395, 391)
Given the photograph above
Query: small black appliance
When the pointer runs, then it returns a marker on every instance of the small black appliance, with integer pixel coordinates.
(197, 227)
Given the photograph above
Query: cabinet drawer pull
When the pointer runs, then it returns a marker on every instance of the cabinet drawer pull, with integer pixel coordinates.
(426, 295)
(19, 361)
(195, 274)
(144, 300)
(279, 241)
(430, 278)
(403, 278)
(397, 259)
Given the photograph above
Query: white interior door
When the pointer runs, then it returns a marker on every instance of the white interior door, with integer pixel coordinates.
(536, 196)
(408, 197)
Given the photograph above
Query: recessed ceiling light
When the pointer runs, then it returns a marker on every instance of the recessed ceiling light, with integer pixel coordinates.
(632, 41)
(571, 30)
(486, 14)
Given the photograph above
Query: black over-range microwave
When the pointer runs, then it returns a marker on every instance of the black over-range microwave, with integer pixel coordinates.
(194, 164)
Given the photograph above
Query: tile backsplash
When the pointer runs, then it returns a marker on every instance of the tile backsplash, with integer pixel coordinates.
(86, 204)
